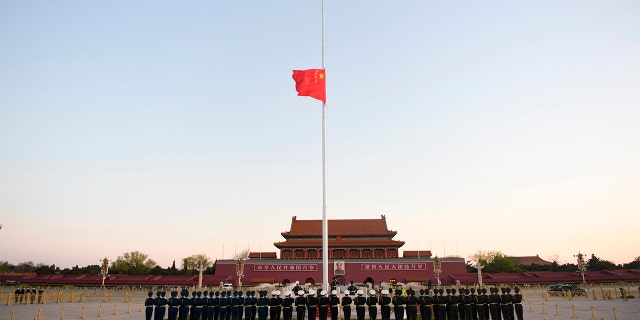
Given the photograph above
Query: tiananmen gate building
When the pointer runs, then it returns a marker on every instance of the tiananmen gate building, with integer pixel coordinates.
(360, 250)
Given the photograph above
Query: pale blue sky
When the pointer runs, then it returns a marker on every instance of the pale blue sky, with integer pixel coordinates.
(173, 128)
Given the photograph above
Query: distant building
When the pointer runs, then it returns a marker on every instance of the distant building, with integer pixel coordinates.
(529, 260)
(360, 250)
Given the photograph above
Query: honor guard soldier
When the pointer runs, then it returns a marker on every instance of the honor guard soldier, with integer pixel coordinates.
(517, 303)
(205, 303)
(474, 309)
(334, 302)
(448, 301)
(505, 301)
(216, 306)
(263, 306)
(385, 305)
(352, 288)
(174, 305)
(287, 306)
(460, 298)
(149, 304)
(454, 301)
(297, 288)
(442, 305)
(510, 306)
(372, 303)
(426, 301)
(494, 304)
(480, 304)
(275, 305)
(161, 306)
(301, 305)
(411, 305)
(312, 305)
(196, 305)
(225, 303)
(249, 306)
(360, 302)
(486, 304)
(211, 306)
(346, 305)
(398, 304)
(323, 305)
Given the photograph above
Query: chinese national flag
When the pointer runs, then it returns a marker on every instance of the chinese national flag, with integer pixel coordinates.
(311, 83)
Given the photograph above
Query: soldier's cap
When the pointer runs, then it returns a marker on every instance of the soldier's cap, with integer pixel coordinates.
(398, 292)
(274, 292)
(473, 290)
(453, 291)
(426, 291)
(484, 290)
(287, 293)
(150, 294)
(210, 293)
(346, 292)
(360, 292)
(323, 292)
(466, 291)
(198, 294)
(312, 292)
(174, 293)
(334, 292)
(300, 292)
(217, 293)
(508, 290)
(516, 289)
(385, 291)
(421, 291)
(448, 290)
(297, 282)
(224, 293)
(503, 290)
(372, 292)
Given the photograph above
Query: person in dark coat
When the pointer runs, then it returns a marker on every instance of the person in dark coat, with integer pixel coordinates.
(301, 305)
(385, 305)
(149, 305)
(174, 305)
(372, 304)
(334, 302)
(398, 304)
(287, 306)
(323, 305)
(312, 305)
(346, 305)
(262, 306)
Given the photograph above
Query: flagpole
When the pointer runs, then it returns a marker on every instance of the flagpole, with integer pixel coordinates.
(325, 228)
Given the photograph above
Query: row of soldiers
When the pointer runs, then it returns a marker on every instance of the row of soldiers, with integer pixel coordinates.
(463, 304)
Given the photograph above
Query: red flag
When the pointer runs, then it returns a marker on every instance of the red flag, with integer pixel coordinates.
(311, 83)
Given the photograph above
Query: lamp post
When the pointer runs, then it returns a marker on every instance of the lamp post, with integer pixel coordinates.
(104, 270)
(479, 267)
(582, 266)
(240, 271)
(437, 268)
(200, 268)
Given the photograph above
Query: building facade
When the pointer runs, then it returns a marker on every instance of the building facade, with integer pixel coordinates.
(360, 250)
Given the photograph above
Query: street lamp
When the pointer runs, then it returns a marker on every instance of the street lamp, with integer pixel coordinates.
(582, 266)
(104, 270)
(240, 271)
(437, 268)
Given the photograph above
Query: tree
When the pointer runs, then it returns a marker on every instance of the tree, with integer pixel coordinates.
(493, 261)
(133, 262)
(635, 264)
(596, 263)
(5, 267)
(192, 263)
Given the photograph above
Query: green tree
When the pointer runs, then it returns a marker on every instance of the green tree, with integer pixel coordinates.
(5, 267)
(133, 262)
(191, 263)
(635, 264)
(596, 263)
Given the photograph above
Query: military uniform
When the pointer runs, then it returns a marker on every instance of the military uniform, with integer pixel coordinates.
(346, 305)
(225, 304)
(275, 306)
(411, 305)
(301, 305)
(323, 305)
(262, 306)
(454, 300)
(360, 302)
(287, 306)
(312, 305)
(494, 304)
(372, 303)
(398, 305)
(517, 303)
(149, 305)
(161, 306)
(385, 305)
(426, 302)
(334, 302)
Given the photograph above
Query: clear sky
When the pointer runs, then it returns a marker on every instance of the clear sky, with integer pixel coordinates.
(174, 129)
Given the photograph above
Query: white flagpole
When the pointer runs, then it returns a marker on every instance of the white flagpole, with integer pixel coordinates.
(325, 228)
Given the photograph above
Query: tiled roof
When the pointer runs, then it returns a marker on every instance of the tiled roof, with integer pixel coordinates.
(342, 227)
(529, 260)
(415, 254)
(339, 243)
(262, 255)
